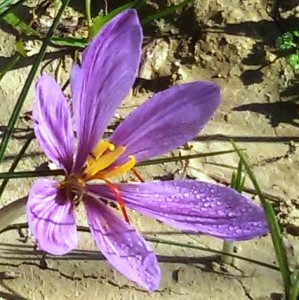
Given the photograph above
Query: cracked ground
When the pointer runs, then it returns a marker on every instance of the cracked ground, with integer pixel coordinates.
(233, 44)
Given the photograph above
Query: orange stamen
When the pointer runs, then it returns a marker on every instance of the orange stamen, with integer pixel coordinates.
(134, 171)
(119, 199)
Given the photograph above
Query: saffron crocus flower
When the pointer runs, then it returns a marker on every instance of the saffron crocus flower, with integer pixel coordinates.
(164, 122)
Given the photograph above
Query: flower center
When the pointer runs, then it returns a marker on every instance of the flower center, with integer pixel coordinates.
(100, 163)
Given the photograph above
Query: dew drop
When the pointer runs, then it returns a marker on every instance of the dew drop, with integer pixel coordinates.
(163, 206)
(139, 258)
(239, 231)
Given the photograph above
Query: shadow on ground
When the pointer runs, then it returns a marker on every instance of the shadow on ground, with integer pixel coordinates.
(278, 112)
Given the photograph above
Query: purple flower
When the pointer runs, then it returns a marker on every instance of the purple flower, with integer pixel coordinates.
(166, 121)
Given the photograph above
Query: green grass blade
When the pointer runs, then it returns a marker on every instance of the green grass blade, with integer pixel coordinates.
(23, 94)
(155, 240)
(69, 41)
(294, 292)
(100, 21)
(15, 163)
(8, 5)
(14, 60)
(237, 183)
(20, 48)
(11, 19)
(163, 13)
(181, 158)
(31, 174)
(275, 231)
(15, 21)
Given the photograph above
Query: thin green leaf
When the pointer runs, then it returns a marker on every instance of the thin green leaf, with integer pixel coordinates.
(8, 5)
(22, 97)
(275, 231)
(233, 179)
(181, 158)
(220, 165)
(20, 48)
(14, 60)
(236, 183)
(242, 184)
(100, 21)
(167, 11)
(172, 243)
(157, 240)
(78, 42)
(13, 20)
(15, 162)
(238, 180)
(294, 292)
(30, 174)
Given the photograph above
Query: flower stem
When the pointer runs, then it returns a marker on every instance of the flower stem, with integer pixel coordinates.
(88, 14)
(227, 248)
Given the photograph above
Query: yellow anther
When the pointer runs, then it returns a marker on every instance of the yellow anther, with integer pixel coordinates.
(102, 162)
(117, 170)
(99, 150)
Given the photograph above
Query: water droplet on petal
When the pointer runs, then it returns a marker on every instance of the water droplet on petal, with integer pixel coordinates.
(163, 206)
(231, 214)
(239, 231)
(231, 227)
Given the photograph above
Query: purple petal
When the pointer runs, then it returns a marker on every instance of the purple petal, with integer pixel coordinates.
(194, 206)
(51, 218)
(52, 123)
(168, 120)
(123, 247)
(108, 71)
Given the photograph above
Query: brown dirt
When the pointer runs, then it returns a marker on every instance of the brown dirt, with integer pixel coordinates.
(231, 43)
